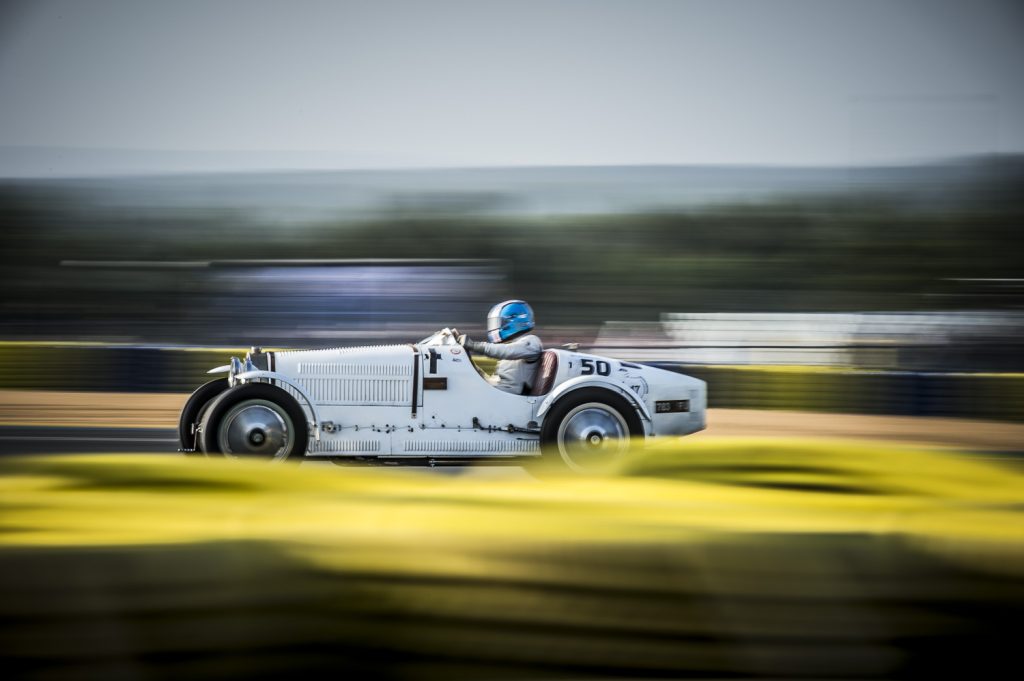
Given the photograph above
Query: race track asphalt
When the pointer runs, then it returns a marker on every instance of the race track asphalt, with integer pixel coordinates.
(47, 440)
(21, 440)
(40, 422)
(39, 440)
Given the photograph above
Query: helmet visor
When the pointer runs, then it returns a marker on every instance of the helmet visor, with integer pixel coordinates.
(494, 323)
(494, 329)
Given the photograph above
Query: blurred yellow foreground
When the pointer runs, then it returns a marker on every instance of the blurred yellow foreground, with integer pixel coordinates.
(712, 558)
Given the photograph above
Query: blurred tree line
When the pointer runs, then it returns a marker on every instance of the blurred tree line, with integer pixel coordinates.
(846, 252)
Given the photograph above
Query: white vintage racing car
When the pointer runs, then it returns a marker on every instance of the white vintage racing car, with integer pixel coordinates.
(429, 403)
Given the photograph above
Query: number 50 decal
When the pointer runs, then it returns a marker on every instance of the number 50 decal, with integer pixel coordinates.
(602, 368)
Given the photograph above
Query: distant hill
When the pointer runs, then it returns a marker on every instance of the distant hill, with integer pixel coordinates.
(315, 195)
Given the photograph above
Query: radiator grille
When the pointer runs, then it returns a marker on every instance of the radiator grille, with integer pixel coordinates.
(363, 391)
(356, 383)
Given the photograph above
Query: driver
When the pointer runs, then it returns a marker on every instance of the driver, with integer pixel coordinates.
(508, 328)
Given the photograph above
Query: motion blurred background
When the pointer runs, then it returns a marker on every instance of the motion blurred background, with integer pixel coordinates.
(815, 206)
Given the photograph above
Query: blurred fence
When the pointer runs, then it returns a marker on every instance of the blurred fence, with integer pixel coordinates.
(238, 301)
(112, 368)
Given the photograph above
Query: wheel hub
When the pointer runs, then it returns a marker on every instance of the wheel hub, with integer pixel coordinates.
(592, 434)
(255, 428)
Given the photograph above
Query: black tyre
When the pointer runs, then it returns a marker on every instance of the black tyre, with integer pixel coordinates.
(254, 420)
(588, 430)
(192, 413)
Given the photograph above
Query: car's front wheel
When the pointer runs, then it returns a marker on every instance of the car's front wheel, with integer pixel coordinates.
(254, 420)
(192, 414)
(588, 430)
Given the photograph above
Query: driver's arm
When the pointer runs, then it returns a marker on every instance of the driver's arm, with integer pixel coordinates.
(527, 347)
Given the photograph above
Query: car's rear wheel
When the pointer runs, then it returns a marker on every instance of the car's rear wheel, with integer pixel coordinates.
(588, 431)
(257, 421)
(192, 414)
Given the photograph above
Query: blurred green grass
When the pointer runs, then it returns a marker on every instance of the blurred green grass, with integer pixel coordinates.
(716, 558)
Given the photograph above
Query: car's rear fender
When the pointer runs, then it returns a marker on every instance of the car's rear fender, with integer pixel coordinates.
(594, 382)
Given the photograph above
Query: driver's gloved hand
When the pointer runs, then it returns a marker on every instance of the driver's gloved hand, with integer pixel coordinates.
(464, 340)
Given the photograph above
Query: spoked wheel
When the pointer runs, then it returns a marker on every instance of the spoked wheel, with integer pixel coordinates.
(256, 421)
(589, 430)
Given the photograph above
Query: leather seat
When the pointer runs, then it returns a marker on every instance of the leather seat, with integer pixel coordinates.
(545, 376)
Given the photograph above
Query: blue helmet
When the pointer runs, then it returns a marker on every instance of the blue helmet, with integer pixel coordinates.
(509, 319)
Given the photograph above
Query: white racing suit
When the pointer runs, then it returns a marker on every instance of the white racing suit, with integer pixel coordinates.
(518, 362)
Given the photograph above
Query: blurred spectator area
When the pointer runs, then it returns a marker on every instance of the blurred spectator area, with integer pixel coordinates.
(261, 301)
(914, 341)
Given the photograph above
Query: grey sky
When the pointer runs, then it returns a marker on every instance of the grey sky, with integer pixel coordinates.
(508, 83)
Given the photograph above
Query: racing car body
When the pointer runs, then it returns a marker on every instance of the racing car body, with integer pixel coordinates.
(429, 402)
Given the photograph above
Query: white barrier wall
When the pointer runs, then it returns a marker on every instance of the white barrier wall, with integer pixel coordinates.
(867, 339)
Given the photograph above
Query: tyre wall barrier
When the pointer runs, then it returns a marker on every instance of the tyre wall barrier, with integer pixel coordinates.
(108, 368)
(903, 393)
(119, 368)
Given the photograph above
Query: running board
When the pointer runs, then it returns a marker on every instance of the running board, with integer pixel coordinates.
(397, 462)
(420, 457)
